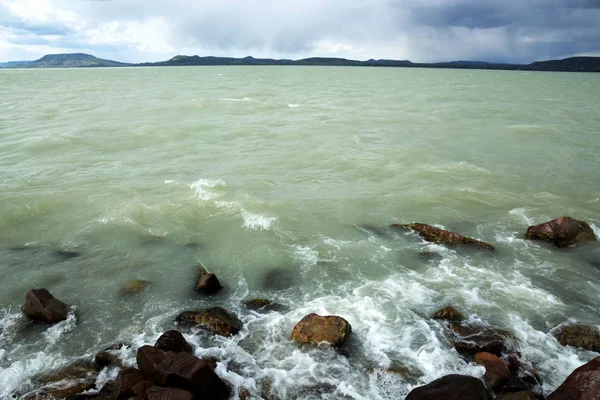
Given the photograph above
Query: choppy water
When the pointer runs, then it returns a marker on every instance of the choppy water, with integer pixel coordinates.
(147, 172)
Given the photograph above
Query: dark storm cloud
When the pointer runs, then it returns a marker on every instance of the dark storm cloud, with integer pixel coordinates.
(421, 30)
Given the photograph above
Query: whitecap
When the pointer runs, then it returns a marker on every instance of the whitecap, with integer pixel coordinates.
(201, 186)
(596, 230)
(520, 212)
(55, 332)
(245, 99)
(293, 105)
(256, 222)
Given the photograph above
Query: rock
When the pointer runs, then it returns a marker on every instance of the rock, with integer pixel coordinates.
(469, 340)
(173, 341)
(42, 306)
(163, 393)
(448, 314)
(208, 283)
(140, 388)
(562, 232)
(582, 384)
(523, 395)
(65, 255)
(582, 336)
(279, 279)
(181, 370)
(451, 387)
(65, 382)
(263, 305)
(126, 380)
(437, 235)
(216, 320)
(496, 370)
(316, 329)
(134, 287)
(106, 359)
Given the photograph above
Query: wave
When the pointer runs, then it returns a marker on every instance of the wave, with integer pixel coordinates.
(201, 186)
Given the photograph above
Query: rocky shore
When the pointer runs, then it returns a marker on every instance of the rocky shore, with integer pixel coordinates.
(170, 369)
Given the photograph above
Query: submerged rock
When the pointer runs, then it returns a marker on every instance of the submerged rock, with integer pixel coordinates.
(437, 235)
(263, 305)
(66, 254)
(562, 232)
(279, 279)
(134, 287)
(496, 370)
(173, 341)
(40, 305)
(451, 387)
(581, 336)
(469, 340)
(216, 320)
(125, 382)
(208, 283)
(107, 357)
(448, 314)
(182, 371)
(582, 384)
(314, 328)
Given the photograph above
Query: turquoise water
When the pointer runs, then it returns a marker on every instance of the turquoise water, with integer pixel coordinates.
(146, 172)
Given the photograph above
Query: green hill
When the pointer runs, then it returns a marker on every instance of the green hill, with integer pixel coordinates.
(75, 60)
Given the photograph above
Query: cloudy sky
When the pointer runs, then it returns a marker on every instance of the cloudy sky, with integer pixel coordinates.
(418, 30)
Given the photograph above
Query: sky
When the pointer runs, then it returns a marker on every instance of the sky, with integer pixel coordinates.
(519, 31)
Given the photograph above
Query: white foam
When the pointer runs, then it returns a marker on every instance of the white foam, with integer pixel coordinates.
(55, 332)
(293, 105)
(596, 230)
(169, 181)
(306, 256)
(202, 186)
(520, 212)
(245, 99)
(256, 222)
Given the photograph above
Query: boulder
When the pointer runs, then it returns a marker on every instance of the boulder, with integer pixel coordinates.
(496, 370)
(216, 320)
(448, 314)
(181, 370)
(582, 336)
(124, 383)
(314, 328)
(40, 305)
(451, 387)
(141, 387)
(173, 341)
(107, 359)
(523, 395)
(469, 340)
(208, 283)
(437, 235)
(134, 287)
(562, 232)
(163, 393)
(65, 382)
(582, 384)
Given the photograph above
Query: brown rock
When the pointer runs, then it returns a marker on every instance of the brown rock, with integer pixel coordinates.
(316, 329)
(523, 395)
(42, 306)
(448, 314)
(134, 287)
(562, 232)
(126, 380)
(107, 358)
(263, 305)
(216, 320)
(470, 340)
(581, 336)
(208, 283)
(65, 382)
(451, 387)
(140, 388)
(163, 393)
(582, 384)
(437, 235)
(173, 341)
(496, 370)
(181, 370)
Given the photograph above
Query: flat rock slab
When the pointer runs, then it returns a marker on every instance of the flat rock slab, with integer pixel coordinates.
(562, 232)
(437, 235)
(216, 320)
(582, 384)
(451, 387)
(314, 328)
(40, 305)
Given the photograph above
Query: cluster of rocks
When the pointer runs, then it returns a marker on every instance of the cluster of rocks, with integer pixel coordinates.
(169, 369)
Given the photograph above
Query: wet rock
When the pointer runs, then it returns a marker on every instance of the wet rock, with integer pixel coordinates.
(65, 382)
(316, 329)
(582, 384)
(279, 279)
(581, 336)
(263, 305)
(141, 387)
(208, 283)
(430, 256)
(451, 387)
(523, 395)
(469, 340)
(107, 359)
(216, 320)
(173, 341)
(163, 393)
(562, 232)
(448, 314)
(124, 383)
(181, 370)
(40, 305)
(134, 287)
(437, 235)
(496, 370)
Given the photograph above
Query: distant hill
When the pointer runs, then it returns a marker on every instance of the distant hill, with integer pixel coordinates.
(75, 60)
(79, 60)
